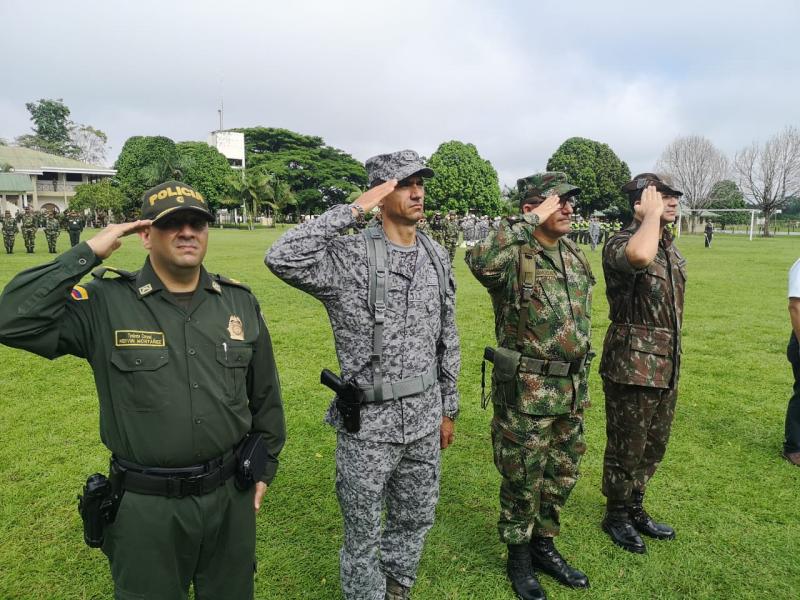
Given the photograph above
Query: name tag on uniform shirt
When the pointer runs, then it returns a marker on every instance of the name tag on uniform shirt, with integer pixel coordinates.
(545, 273)
(146, 339)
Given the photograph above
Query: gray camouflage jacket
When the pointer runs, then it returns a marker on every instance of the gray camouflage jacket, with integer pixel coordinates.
(315, 258)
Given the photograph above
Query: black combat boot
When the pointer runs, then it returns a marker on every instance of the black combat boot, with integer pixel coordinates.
(395, 590)
(520, 572)
(547, 559)
(644, 524)
(619, 527)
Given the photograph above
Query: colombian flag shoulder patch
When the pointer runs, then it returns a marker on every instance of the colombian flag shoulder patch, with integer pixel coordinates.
(79, 293)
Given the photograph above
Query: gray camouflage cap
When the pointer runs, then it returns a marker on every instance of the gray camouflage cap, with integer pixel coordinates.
(396, 165)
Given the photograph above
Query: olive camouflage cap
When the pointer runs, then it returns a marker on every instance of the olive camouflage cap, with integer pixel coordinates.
(643, 180)
(172, 196)
(395, 165)
(542, 185)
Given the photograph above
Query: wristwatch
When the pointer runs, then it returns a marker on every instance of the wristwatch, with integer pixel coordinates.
(361, 216)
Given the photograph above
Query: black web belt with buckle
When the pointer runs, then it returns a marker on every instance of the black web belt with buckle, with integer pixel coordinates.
(557, 368)
(196, 480)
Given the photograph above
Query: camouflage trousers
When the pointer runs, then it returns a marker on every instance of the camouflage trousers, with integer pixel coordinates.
(403, 479)
(8, 241)
(29, 236)
(538, 458)
(52, 240)
(638, 424)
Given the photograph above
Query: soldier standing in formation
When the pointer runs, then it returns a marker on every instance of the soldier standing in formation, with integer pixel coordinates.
(9, 232)
(594, 232)
(791, 441)
(52, 228)
(185, 374)
(645, 282)
(540, 283)
(75, 226)
(29, 230)
(451, 232)
(395, 334)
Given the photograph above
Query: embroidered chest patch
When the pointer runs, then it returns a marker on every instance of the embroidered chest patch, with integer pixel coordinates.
(124, 338)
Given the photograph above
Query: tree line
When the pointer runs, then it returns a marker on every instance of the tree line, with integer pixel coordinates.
(290, 173)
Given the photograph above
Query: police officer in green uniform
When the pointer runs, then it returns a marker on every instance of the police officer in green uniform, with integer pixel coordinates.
(74, 226)
(184, 370)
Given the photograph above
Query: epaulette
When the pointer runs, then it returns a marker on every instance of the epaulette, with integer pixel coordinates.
(100, 272)
(232, 282)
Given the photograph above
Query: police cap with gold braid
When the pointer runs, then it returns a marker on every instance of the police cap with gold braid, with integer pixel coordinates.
(170, 197)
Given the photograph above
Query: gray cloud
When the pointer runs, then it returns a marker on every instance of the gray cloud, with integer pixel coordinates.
(514, 78)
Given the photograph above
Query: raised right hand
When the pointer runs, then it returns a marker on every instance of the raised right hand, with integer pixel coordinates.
(108, 240)
(372, 197)
(651, 204)
(550, 205)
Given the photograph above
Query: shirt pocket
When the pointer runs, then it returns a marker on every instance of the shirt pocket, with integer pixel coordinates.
(140, 379)
(234, 360)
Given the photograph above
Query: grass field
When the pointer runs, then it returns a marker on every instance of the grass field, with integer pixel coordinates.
(732, 499)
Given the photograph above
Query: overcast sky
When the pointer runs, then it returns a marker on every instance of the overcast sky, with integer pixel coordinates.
(514, 78)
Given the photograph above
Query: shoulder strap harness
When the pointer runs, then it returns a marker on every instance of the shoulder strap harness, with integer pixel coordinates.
(527, 281)
(377, 259)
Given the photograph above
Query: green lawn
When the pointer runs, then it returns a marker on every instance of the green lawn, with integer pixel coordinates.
(732, 499)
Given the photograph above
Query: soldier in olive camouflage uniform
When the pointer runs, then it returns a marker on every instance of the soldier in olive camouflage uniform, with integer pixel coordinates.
(29, 230)
(645, 282)
(52, 229)
(393, 461)
(542, 311)
(9, 232)
(451, 232)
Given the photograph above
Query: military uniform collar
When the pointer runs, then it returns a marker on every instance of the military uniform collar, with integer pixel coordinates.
(148, 283)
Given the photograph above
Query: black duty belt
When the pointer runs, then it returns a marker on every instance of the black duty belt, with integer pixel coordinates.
(196, 480)
(557, 368)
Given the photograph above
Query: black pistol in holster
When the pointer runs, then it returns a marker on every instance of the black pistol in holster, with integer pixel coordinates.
(349, 398)
(488, 355)
(98, 507)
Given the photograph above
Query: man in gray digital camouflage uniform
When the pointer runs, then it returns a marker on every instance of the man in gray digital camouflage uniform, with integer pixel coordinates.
(393, 460)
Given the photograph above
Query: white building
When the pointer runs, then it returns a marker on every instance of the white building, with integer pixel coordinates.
(231, 145)
(51, 179)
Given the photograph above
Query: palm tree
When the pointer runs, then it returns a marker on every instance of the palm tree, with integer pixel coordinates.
(251, 189)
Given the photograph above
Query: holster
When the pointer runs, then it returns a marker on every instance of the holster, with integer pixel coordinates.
(251, 461)
(504, 375)
(98, 507)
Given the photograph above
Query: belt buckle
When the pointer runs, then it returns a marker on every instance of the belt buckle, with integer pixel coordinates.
(192, 486)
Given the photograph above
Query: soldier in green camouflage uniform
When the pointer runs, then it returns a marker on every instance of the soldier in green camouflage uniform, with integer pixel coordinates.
(645, 282)
(451, 232)
(9, 232)
(29, 230)
(52, 228)
(540, 284)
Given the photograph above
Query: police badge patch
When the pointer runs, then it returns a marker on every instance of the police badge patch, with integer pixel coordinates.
(235, 328)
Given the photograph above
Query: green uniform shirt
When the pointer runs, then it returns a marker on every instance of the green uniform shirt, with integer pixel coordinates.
(559, 315)
(176, 387)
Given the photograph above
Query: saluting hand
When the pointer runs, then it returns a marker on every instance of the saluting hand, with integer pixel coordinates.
(108, 240)
(651, 204)
(550, 205)
(372, 197)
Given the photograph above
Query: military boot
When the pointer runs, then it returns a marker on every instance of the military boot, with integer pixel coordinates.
(644, 524)
(395, 590)
(546, 558)
(619, 527)
(520, 572)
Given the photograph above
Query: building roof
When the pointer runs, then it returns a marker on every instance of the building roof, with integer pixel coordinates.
(34, 162)
(15, 182)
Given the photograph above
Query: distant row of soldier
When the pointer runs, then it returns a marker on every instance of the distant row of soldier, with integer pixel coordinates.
(52, 223)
